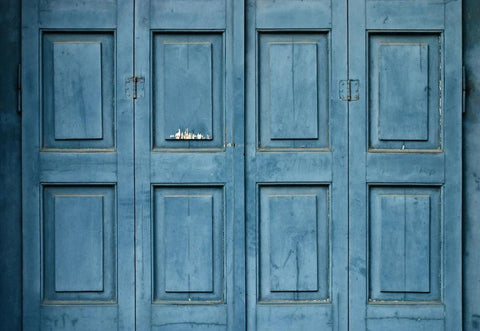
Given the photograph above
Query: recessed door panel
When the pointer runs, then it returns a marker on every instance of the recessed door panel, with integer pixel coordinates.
(405, 91)
(188, 243)
(77, 145)
(294, 240)
(77, 82)
(189, 165)
(296, 166)
(79, 240)
(188, 90)
(404, 243)
(405, 165)
(293, 80)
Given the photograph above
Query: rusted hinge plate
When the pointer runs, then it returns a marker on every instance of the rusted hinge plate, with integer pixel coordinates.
(349, 90)
(19, 89)
(134, 87)
(464, 90)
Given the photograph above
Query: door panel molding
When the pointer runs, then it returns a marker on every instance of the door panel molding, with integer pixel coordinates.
(393, 172)
(296, 165)
(236, 190)
(78, 194)
(191, 56)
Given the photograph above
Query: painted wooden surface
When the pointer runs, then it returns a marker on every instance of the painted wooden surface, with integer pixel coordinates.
(395, 168)
(78, 193)
(404, 91)
(470, 298)
(78, 90)
(188, 85)
(293, 90)
(190, 269)
(188, 232)
(296, 165)
(405, 237)
(78, 236)
(294, 241)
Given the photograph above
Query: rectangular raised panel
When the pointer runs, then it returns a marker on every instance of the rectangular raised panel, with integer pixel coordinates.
(188, 88)
(405, 243)
(188, 239)
(403, 92)
(293, 90)
(188, 243)
(188, 91)
(78, 243)
(405, 78)
(77, 83)
(405, 223)
(293, 243)
(77, 88)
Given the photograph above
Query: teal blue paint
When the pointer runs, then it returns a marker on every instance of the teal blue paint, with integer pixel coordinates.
(470, 231)
(398, 164)
(404, 91)
(296, 166)
(188, 90)
(71, 154)
(403, 108)
(78, 90)
(293, 94)
(294, 263)
(404, 244)
(188, 54)
(187, 238)
(78, 243)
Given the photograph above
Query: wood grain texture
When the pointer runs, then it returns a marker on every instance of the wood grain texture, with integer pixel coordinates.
(296, 135)
(78, 269)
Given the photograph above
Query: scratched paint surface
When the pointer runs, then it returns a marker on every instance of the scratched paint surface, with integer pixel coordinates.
(10, 276)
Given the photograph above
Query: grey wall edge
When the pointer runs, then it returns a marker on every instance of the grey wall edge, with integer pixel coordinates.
(471, 170)
(10, 170)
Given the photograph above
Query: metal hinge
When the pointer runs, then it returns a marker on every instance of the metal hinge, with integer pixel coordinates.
(134, 87)
(349, 90)
(19, 89)
(464, 90)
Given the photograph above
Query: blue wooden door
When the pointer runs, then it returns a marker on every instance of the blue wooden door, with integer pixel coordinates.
(189, 165)
(157, 197)
(78, 193)
(297, 175)
(405, 165)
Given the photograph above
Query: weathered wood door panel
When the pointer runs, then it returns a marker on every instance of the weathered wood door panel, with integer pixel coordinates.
(296, 165)
(405, 165)
(78, 196)
(169, 204)
(189, 165)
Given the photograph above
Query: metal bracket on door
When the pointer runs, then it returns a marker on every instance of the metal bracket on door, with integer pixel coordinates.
(464, 90)
(134, 87)
(349, 90)
(19, 89)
